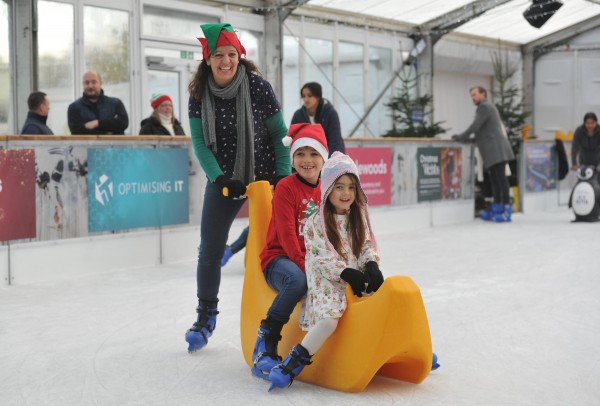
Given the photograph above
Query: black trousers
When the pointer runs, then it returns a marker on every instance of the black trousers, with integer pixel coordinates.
(499, 183)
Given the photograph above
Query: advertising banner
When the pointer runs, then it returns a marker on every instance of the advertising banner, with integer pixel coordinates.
(439, 173)
(17, 194)
(429, 179)
(374, 168)
(137, 187)
(540, 168)
(451, 173)
(61, 195)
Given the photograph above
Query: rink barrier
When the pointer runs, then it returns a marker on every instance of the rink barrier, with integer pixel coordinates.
(63, 240)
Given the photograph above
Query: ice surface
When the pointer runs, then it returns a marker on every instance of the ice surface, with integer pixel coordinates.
(514, 313)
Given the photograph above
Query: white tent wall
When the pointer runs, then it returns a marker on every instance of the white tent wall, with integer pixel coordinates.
(459, 65)
(451, 100)
(301, 54)
(567, 85)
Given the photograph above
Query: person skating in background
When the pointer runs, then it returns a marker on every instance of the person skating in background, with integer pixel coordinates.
(585, 149)
(282, 259)
(236, 128)
(162, 121)
(495, 150)
(341, 250)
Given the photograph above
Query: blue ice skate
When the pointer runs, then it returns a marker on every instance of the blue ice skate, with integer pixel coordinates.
(283, 374)
(265, 355)
(226, 255)
(434, 362)
(197, 336)
(503, 216)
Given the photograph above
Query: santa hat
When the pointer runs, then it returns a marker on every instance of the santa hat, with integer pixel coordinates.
(158, 98)
(216, 35)
(306, 135)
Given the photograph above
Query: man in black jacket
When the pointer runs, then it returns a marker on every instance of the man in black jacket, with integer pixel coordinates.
(39, 106)
(94, 113)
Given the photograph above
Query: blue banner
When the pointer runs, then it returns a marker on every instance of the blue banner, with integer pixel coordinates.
(137, 187)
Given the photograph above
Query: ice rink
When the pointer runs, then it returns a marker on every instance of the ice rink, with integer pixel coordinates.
(514, 313)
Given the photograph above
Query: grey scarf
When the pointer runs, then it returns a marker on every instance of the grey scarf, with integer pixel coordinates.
(239, 89)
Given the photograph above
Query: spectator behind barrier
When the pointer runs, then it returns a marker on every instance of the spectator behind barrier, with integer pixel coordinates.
(162, 121)
(94, 113)
(39, 107)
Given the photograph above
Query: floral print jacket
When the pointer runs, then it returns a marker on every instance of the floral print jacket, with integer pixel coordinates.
(326, 296)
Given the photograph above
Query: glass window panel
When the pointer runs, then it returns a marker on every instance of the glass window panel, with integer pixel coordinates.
(319, 64)
(106, 48)
(174, 24)
(5, 82)
(166, 82)
(251, 41)
(291, 77)
(351, 105)
(174, 53)
(380, 73)
(56, 62)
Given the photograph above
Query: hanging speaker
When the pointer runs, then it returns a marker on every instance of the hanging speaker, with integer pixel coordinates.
(540, 11)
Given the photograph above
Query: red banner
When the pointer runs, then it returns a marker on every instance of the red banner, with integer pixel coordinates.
(375, 169)
(17, 194)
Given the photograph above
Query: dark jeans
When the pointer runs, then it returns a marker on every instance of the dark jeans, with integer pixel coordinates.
(218, 213)
(283, 275)
(499, 183)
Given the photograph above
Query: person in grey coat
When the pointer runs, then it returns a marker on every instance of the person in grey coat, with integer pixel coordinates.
(491, 139)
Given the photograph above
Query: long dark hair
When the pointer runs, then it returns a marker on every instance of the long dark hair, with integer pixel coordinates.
(317, 91)
(357, 229)
(590, 115)
(200, 79)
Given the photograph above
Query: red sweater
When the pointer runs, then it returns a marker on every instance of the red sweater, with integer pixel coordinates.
(294, 201)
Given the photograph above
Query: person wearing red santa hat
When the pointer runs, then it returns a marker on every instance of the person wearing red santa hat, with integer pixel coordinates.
(237, 129)
(162, 121)
(282, 260)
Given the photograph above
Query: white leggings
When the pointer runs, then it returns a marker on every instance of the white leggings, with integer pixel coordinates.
(318, 334)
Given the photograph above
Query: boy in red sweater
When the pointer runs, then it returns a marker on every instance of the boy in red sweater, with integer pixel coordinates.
(297, 197)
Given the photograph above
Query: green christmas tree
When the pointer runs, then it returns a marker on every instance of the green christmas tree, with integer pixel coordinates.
(410, 113)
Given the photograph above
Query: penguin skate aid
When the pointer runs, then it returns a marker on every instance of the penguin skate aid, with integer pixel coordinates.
(585, 196)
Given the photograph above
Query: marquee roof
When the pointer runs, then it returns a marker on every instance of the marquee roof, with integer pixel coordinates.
(503, 21)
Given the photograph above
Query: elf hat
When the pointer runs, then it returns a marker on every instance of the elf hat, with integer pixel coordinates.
(306, 135)
(158, 98)
(216, 35)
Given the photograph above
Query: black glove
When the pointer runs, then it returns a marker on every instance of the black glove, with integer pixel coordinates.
(373, 276)
(356, 280)
(277, 179)
(235, 188)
